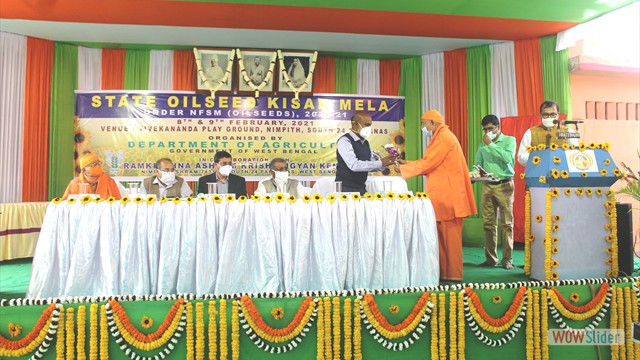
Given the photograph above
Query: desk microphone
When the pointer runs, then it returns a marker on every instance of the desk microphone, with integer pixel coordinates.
(568, 122)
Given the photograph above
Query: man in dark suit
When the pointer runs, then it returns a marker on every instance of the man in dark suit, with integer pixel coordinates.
(227, 182)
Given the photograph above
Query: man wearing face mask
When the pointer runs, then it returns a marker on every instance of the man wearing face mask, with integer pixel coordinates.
(546, 133)
(279, 182)
(99, 183)
(165, 182)
(449, 189)
(228, 183)
(496, 155)
(355, 158)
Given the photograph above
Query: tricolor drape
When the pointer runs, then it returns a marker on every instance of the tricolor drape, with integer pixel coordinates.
(39, 78)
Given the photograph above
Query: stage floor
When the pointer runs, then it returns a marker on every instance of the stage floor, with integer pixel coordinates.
(14, 274)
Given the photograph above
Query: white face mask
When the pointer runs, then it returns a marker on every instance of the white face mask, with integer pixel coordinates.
(427, 133)
(491, 135)
(365, 132)
(167, 177)
(548, 122)
(225, 170)
(281, 176)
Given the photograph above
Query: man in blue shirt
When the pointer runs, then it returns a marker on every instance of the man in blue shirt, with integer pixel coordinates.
(496, 154)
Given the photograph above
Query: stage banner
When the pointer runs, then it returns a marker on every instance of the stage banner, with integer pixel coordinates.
(130, 130)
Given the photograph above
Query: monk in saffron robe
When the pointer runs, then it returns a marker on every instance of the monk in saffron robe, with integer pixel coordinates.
(91, 173)
(448, 187)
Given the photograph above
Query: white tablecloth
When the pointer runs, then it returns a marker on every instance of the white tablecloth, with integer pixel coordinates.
(228, 247)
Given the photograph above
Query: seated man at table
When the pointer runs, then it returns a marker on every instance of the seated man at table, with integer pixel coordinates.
(165, 182)
(228, 183)
(279, 182)
(97, 182)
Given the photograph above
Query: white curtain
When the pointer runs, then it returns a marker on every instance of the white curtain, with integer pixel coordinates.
(13, 60)
(368, 77)
(433, 82)
(161, 70)
(89, 68)
(504, 98)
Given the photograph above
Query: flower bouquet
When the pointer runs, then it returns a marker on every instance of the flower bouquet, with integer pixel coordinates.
(391, 150)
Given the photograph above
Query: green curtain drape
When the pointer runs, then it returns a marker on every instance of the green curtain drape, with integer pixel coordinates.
(478, 103)
(64, 81)
(136, 70)
(346, 76)
(411, 89)
(555, 74)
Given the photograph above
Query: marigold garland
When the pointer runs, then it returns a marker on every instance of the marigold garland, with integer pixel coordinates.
(104, 333)
(442, 318)
(544, 326)
(189, 332)
(235, 331)
(529, 345)
(81, 338)
(199, 330)
(380, 323)
(514, 314)
(320, 332)
(628, 319)
(460, 326)
(434, 329)
(453, 332)
(621, 320)
(598, 311)
(357, 331)
(614, 322)
(224, 350)
(336, 327)
(614, 237)
(347, 329)
(537, 351)
(527, 233)
(70, 333)
(93, 332)
(246, 78)
(547, 239)
(326, 303)
(212, 331)
(40, 337)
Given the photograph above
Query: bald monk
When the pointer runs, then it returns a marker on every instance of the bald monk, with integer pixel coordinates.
(448, 187)
(91, 173)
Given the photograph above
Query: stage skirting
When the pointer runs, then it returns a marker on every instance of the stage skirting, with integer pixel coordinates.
(140, 246)
(19, 228)
(482, 321)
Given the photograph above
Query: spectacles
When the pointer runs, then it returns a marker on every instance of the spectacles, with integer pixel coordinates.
(167, 170)
(546, 116)
(493, 128)
(95, 163)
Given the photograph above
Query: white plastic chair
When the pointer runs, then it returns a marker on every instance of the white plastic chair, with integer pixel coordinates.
(323, 185)
(376, 184)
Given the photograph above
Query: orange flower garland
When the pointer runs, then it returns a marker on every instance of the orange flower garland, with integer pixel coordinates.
(461, 325)
(602, 292)
(38, 338)
(380, 323)
(127, 327)
(503, 323)
(596, 308)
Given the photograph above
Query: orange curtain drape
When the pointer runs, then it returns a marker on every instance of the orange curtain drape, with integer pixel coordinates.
(390, 77)
(455, 95)
(113, 61)
(184, 70)
(528, 63)
(324, 76)
(36, 119)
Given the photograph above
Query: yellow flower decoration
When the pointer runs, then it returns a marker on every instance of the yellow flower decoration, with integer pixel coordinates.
(556, 218)
(280, 197)
(555, 192)
(588, 191)
(138, 200)
(378, 196)
(556, 227)
(542, 147)
(85, 199)
(277, 313)
(366, 194)
(609, 251)
(532, 237)
(99, 200)
(542, 179)
(605, 146)
(609, 192)
(554, 250)
(125, 200)
(146, 322)
(402, 196)
(607, 162)
(616, 172)
(71, 201)
(409, 197)
(292, 199)
(216, 199)
(267, 199)
(344, 197)
(603, 172)
(608, 261)
(355, 196)
(564, 174)
(306, 198)
(202, 198)
(14, 329)
(592, 146)
(572, 147)
(608, 238)
(574, 297)
(598, 191)
(584, 174)
(555, 173)
(255, 197)
(394, 309)
(176, 200)
(607, 226)
(230, 198)
(317, 198)
(57, 200)
(609, 204)
(496, 299)
(557, 160)
(530, 148)
(522, 176)
(189, 200)
(554, 264)
(555, 240)
(164, 199)
(331, 198)
(538, 218)
(565, 147)
(567, 191)
(242, 198)
(553, 147)
(390, 196)
(582, 146)
(554, 276)
(536, 160)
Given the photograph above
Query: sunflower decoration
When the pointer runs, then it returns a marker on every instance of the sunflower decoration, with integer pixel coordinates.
(394, 309)
(14, 330)
(71, 201)
(555, 173)
(605, 146)
(202, 198)
(402, 196)
(292, 199)
(567, 191)
(539, 218)
(216, 199)
(138, 200)
(588, 192)
(267, 199)
(609, 251)
(277, 313)
(99, 200)
(555, 276)
(306, 198)
(344, 197)
(574, 297)
(616, 172)
(557, 160)
(530, 148)
(603, 172)
(409, 197)
(536, 160)
(230, 198)
(355, 196)
(255, 197)
(607, 162)
(317, 198)
(607, 226)
(146, 322)
(584, 174)
(555, 240)
(56, 200)
(608, 261)
(582, 146)
(555, 192)
(542, 147)
(554, 250)
(555, 227)
(598, 191)
(609, 204)
(553, 147)
(542, 179)
(242, 198)
(532, 237)
(164, 199)
(592, 146)
(609, 192)
(111, 199)
(556, 218)
(564, 174)
(331, 198)
(522, 176)
(608, 238)
(176, 200)
(125, 200)
(85, 199)
(390, 195)
(378, 196)
(151, 200)
(419, 195)
(496, 299)
(609, 213)
(565, 147)
(368, 196)
(280, 197)
(554, 264)
(189, 200)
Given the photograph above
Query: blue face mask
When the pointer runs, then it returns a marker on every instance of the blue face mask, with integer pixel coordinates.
(426, 132)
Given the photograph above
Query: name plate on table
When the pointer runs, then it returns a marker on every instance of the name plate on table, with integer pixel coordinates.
(80, 196)
(568, 135)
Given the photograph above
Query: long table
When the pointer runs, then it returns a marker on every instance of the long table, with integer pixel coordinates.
(229, 246)
(19, 228)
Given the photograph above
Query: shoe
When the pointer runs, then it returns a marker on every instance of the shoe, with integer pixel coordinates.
(508, 266)
(487, 264)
